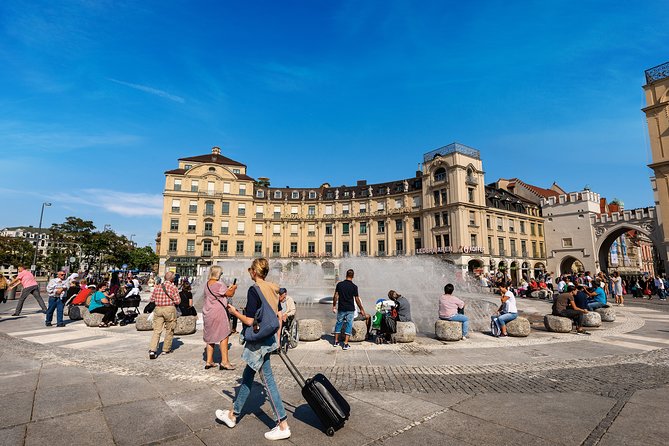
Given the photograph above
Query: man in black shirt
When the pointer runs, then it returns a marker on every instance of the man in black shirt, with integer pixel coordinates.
(346, 294)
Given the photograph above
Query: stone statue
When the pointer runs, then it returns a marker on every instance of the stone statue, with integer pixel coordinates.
(336, 194)
(406, 186)
(387, 190)
(353, 194)
(371, 191)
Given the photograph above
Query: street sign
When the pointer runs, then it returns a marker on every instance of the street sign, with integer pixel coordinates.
(124, 266)
(73, 259)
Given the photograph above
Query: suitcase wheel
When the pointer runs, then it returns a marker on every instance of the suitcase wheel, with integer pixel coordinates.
(330, 431)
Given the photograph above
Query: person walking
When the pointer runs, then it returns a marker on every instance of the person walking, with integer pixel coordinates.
(29, 284)
(257, 354)
(165, 296)
(56, 289)
(215, 318)
(343, 304)
(618, 288)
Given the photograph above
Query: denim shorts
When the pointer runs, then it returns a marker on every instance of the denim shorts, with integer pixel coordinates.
(347, 318)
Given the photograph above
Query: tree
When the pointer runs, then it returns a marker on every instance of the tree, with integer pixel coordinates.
(143, 259)
(16, 251)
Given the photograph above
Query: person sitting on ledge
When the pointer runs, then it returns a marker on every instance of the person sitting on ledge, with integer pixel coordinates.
(402, 306)
(101, 303)
(598, 297)
(448, 309)
(565, 306)
(507, 310)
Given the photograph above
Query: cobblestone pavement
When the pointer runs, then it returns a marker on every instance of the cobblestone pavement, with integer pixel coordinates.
(609, 388)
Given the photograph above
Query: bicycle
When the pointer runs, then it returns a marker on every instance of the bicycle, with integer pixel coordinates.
(289, 334)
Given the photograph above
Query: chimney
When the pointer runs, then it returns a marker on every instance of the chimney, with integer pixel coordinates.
(362, 182)
(216, 150)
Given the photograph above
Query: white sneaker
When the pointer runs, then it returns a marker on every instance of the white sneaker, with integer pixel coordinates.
(224, 416)
(464, 338)
(278, 434)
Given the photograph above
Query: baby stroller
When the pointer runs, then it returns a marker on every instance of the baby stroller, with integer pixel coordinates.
(129, 306)
(384, 323)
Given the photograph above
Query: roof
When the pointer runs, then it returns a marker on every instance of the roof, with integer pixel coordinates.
(503, 199)
(540, 191)
(348, 192)
(212, 158)
(26, 229)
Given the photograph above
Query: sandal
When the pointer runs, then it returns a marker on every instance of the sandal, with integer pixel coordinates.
(208, 366)
(103, 325)
(223, 367)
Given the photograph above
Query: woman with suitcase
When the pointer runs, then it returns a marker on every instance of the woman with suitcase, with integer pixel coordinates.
(260, 327)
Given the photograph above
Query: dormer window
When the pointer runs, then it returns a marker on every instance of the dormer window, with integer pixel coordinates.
(188, 166)
(260, 193)
(440, 174)
(236, 171)
(312, 194)
(295, 195)
(347, 193)
(277, 194)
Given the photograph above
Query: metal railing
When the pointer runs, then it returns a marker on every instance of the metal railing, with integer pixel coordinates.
(452, 148)
(657, 73)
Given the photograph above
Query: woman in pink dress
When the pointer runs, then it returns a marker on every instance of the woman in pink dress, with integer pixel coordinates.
(215, 318)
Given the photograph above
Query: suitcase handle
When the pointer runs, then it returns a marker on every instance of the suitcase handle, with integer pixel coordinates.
(292, 369)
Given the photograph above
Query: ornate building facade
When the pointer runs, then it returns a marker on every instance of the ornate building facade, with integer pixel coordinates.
(214, 211)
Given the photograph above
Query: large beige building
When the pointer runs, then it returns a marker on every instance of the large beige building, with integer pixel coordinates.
(657, 115)
(214, 211)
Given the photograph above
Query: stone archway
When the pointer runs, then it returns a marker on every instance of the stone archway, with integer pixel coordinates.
(514, 273)
(539, 270)
(571, 264)
(328, 270)
(606, 240)
(475, 266)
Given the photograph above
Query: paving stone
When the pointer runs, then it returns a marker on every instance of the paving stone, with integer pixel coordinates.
(55, 401)
(116, 389)
(57, 376)
(403, 405)
(423, 436)
(83, 429)
(196, 408)
(15, 408)
(12, 436)
(190, 440)
(638, 424)
(652, 397)
(19, 381)
(157, 422)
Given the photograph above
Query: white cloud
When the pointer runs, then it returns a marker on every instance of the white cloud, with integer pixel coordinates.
(127, 204)
(150, 90)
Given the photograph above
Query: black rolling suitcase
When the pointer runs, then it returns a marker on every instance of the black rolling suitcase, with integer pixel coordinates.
(326, 401)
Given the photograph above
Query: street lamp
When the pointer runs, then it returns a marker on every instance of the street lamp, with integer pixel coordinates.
(107, 227)
(41, 215)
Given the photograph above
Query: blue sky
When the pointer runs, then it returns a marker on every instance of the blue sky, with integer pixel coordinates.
(99, 98)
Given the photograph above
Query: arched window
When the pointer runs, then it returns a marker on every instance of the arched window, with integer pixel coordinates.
(440, 174)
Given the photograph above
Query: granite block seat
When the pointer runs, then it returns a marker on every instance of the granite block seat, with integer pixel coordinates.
(309, 329)
(142, 322)
(557, 324)
(92, 319)
(76, 312)
(448, 330)
(186, 325)
(591, 319)
(406, 332)
(608, 314)
(519, 327)
(539, 294)
(359, 332)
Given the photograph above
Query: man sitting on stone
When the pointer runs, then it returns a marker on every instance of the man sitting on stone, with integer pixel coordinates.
(597, 297)
(401, 305)
(448, 309)
(565, 306)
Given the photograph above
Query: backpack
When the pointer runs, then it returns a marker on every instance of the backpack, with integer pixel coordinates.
(388, 324)
(495, 328)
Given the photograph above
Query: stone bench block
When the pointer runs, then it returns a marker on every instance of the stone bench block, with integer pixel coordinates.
(92, 319)
(539, 294)
(557, 324)
(142, 322)
(76, 312)
(591, 319)
(186, 325)
(448, 330)
(607, 314)
(359, 331)
(519, 327)
(309, 329)
(406, 332)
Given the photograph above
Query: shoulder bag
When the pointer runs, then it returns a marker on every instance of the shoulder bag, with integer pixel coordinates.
(265, 321)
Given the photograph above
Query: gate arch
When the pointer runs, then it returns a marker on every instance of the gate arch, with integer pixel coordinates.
(605, 241)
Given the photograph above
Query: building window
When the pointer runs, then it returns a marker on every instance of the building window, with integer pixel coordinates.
(242, 189)
(416, 223)
(191, 226)
(328, 228)
(472, 240)
(541, 249)
(513, 247)
(487, 222)
(277, 212)
(381, 224)
(534, 249)
(276, 229)
(532, 229)
(312, 195)
(293, 229)
(226, 188)
(276, 248)
(311, 247)
(177, 184)
(328, 209)
(174, 225)
(190, 245)
(240, 247)
(260, 193)
(241, 209)
(512, 226)
(347, 194)
(208, 228)
(444, 218)
(240, 227)
(500, 224)
(399, 225)
(188, 166)
(172, 247)
(345, 228)
(399, 247)
(438, 241)
(192, 207)
(258, 228)
(522, 227)
(470, 194)
(293, 210)
(194, 186)
(293, 247)
(328, 248)
(345, 209)
(567, 243)
(223, 247)
(257, 248)
(523, 248)
(380, 206)
(500, 245)
(260, 211)
(417, 243)
(311, 210)
(225, 226)
(277, 194)
(236, 171)
(398, 203)
(363, 247)
(436, 197)
(209, 208)
(381, 246)
(363, 208)
(490, 245)
(206, 248)
(472, 218)
(440, 174)
(416, 202)
(540, 229)
(311, 230)
(345, 248)
(363, 227)
(444, 197)
(225, 208)
(437, 219)
(295, 195)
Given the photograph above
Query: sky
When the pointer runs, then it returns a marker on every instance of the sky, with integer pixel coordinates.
(98, 98)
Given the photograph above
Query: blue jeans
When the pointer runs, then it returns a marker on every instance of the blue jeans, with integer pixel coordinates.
(505, 318)
(268, 383)
(55, 303)
(594, 305)
(459, 318)
(344, 317)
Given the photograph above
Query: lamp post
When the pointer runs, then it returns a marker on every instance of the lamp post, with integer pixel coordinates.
(131, 242)
(41, 215)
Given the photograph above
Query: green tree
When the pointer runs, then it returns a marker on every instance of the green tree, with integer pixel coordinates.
(16, 251)
(143, 259)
